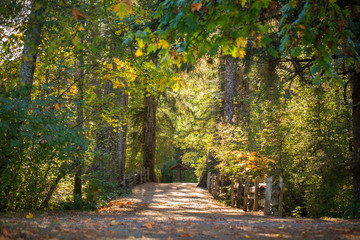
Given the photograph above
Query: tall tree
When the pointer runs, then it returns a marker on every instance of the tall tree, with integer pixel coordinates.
(122, 132)
(150, 104)
(32, 42)
(355, 79)
(229, 79)
(79, 78)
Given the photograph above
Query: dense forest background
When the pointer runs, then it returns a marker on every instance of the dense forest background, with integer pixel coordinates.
(94, 89)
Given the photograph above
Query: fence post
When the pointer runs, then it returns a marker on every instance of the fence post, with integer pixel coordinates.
(256, 195)
(281, 185)
(134, 178)
(221, 185)
(124, 181)
(141, 176)
(246, 192)
(232, 195)
(208, 186)
(148, 174)
(128, 180)
(216, 190)
(212, 184)
(238, 194)
(267, 208)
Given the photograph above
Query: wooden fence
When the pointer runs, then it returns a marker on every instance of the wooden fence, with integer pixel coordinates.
(250, 195)
(131, 180)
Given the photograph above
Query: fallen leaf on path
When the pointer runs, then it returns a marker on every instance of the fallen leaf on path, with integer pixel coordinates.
(185, 234)
(247, 236)
(148, 225)
(30, 215)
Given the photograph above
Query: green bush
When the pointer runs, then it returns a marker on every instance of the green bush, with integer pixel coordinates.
(37, 150)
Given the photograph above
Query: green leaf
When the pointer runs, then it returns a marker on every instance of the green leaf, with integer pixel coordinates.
(284, 42)
(315, 69)
(273, 52)
(127, 40)
(296, 52)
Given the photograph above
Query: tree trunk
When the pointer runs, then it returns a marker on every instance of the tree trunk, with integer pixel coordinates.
(122, 136)
(31, 45)
(356, 135)
(203, 177)
(228, 105)
(150, 135)
(104, 135)
(229, 89)
(79, 122)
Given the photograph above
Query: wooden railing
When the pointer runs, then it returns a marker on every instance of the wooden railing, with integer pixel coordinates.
(248, 194)
(131, 180)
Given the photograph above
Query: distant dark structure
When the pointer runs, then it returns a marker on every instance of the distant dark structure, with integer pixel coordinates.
(179, 167)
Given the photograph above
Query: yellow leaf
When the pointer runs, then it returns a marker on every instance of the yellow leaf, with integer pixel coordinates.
(243, 2)
(81, 28)
(238, 53)
(122, 9)
(118, 84)
(141, 43)
(241, 53)
(138, 53)
(163, 44)
(226, 48)
(148, 225)
(57, 105)
(178, 63)
(240, 42)
(29, 215)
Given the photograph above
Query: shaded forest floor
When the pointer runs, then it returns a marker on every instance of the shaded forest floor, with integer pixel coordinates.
(171, 211)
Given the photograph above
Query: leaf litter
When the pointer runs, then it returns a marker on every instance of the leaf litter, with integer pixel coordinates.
(171, 211)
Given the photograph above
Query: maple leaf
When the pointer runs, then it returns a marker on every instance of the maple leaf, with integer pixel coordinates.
(77, 15)
(240, 42)
(196, 6)
(148, 225)
(30, 215)
(138, 53)
(163, 44)
(57, 105)
(122, 9)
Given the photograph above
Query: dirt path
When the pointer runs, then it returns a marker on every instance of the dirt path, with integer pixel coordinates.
(172, 211)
